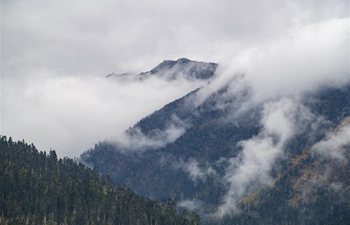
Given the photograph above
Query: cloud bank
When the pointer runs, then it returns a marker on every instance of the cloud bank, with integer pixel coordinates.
(117, 36)
(55, 53)
(259, 153)
(304, 59)
(71, 113)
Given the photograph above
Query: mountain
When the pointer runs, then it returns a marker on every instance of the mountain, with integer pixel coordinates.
(235, 160)
(174, 69)
(311, 190)
(38, 188)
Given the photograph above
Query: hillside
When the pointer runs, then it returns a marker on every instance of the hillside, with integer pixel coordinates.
(210, 140)
(313, 189)
(38, 188)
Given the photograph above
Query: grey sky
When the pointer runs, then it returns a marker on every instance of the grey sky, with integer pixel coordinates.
(54, 55)
(103, 36)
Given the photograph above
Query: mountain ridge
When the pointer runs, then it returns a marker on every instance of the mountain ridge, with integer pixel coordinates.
(180, 68)
(199, 158)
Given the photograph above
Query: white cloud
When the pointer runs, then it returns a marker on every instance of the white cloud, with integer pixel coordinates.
(193, 205)
(48, 47)
(259, 153)
(103, 36)
(336, 143)
(314, 55)
(302, 59)
(71, 113)
(196, 171)
(135, 140)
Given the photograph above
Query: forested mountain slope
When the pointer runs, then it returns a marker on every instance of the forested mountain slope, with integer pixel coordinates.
(313, 189)
(193, 169)
(221, 143)
(38, 188)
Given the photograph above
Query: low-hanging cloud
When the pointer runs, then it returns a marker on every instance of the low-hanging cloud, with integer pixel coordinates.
(336, 143)
(258, 153)
(312, 56)
(281, 120)
(329, 160)
(281, 47)
(135, 140)
(195, 171)
(71, 113)
(304, 60)
(301, 60)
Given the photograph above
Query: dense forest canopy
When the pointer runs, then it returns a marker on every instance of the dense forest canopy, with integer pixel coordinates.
(38, 188)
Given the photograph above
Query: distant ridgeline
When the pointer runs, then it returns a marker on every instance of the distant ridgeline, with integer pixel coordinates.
(174, 69)
(38, 189)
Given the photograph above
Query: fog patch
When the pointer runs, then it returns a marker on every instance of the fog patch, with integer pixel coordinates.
(135, 140)
(253, 165)
(336, 143)
(71, 113)
(195, 170)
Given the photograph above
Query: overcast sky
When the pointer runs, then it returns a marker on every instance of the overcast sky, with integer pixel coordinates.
(55, 54)
(75, 36)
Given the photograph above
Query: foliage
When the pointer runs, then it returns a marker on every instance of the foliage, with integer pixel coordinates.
(38, 188)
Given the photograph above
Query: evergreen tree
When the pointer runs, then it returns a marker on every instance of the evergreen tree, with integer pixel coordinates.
(38, 188)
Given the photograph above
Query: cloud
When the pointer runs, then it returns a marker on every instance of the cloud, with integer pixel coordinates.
(196, 171)
(301, 60)
(71, 113)
(135, 140)
(336, 142)
(315, 55)
(253, 165)
(194, 205)
(199, 207)
(54, 53)
(329, 161)
(105, 36)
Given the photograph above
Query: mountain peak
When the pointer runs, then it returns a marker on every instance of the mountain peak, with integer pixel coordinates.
(170, 64)
(183, 60)
(189, 69)
(180, 68)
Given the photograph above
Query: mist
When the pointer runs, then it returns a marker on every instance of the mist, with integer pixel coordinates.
(72, 113)
(305, 60)
(135, 140)
(336, 143)
(56, 54)
(259, 153)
